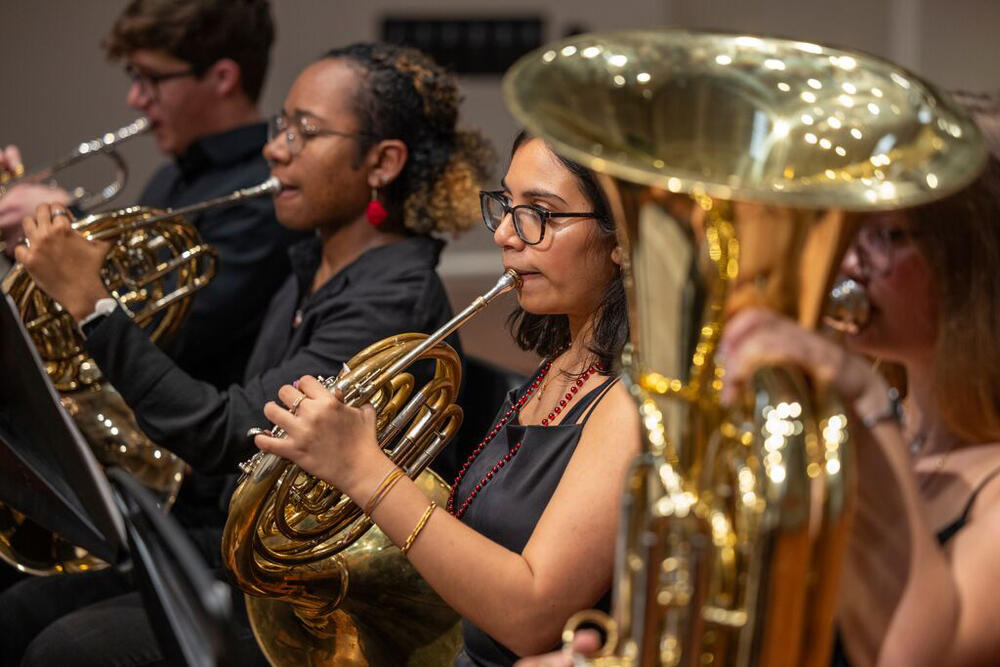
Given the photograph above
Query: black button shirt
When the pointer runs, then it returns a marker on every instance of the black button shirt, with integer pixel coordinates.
(388, 290)
(215, 341)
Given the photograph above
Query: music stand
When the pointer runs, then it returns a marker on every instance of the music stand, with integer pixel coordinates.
(190, 611)
(47, 470)
(48, 473)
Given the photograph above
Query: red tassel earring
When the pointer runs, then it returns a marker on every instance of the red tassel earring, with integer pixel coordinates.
(375, 212)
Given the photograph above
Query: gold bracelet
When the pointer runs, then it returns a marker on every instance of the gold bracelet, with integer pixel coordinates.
(378, 486)
(420, 526)
(385, 492)
(382, 489)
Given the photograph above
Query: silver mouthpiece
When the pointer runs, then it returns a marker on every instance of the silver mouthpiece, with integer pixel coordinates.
(848, 307)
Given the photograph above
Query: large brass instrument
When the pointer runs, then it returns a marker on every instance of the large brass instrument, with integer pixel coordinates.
(324, 585)
(103, 145)
(155, 265)
(735, 167)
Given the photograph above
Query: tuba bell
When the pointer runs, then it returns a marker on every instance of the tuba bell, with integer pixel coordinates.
(323, 585)
(736, 168)
(155, 265)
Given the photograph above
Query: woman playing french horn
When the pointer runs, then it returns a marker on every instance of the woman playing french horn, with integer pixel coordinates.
(371, 161)
(527, 536)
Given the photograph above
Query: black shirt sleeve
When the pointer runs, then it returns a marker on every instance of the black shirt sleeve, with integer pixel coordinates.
(207, 427)
(225, 318)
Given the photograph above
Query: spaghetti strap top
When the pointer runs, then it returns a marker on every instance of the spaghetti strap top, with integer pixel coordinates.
(507, 509)
(949, 531)
(943, 537)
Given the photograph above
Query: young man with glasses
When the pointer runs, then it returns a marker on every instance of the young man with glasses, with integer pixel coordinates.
(197, 68)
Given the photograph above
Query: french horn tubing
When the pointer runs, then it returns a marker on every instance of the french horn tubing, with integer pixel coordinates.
(102, 146)
(324, 586)
(156, 264)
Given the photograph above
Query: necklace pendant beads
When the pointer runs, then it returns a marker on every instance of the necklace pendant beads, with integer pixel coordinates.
(564, 401)
(513, 411)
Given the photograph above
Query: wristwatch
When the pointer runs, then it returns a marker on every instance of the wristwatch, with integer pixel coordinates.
(102, 309)
(893, 413)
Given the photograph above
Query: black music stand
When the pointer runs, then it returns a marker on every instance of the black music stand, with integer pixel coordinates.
(48, 472)
(190, 611)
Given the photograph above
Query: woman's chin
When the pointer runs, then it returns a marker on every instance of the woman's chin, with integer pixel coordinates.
(869, 342)
(534, 306)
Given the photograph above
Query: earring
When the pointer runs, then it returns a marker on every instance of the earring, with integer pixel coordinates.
(616, 255)
(375, 212)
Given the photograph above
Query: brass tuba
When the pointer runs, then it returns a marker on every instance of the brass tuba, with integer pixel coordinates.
(324, 586)
(735, 167)
(156, 264)
(103, 145)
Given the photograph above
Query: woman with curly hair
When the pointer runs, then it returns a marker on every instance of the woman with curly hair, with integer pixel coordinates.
(370, 159)
(526, 537)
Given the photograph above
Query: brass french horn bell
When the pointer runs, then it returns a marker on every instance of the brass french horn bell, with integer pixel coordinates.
(156, 265)
(736, 167)
(323, 584)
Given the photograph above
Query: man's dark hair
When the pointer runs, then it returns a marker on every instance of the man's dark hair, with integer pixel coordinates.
(199, 32)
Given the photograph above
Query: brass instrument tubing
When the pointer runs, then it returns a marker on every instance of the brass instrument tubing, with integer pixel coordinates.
(508, 281)
(270, 186)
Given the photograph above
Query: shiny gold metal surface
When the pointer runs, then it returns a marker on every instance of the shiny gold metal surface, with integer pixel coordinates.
(103, 146)
(156, 264)
(109, 427)
(736, 167)
(324, 585)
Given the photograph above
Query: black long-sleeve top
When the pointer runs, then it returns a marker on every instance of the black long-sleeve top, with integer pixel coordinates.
(215, 341)
(387, 290)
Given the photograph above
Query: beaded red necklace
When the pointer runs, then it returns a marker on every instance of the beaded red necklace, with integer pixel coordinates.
(507, 416)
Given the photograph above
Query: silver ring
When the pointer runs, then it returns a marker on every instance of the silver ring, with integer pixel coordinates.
(56, 212)
(26, 242)
(295, 405)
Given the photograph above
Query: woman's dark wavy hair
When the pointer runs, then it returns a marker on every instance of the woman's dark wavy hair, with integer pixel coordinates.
(548, 335)
(405, 95)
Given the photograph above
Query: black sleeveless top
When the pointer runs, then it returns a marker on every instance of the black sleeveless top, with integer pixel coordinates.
(507, 509)
(839, 658)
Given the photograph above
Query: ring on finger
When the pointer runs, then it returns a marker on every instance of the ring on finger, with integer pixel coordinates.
(56, 212)
(295, 404)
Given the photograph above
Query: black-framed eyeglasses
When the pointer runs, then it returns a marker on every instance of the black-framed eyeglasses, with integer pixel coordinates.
(875, 243)
(149, 82)
(529, 221)
(299, 130)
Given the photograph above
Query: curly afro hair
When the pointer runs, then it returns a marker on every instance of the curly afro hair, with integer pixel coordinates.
(405, 95)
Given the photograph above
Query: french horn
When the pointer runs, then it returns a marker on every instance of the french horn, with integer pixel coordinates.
(102, 146)
(737, 168)
(324, 586)
(156, 264)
